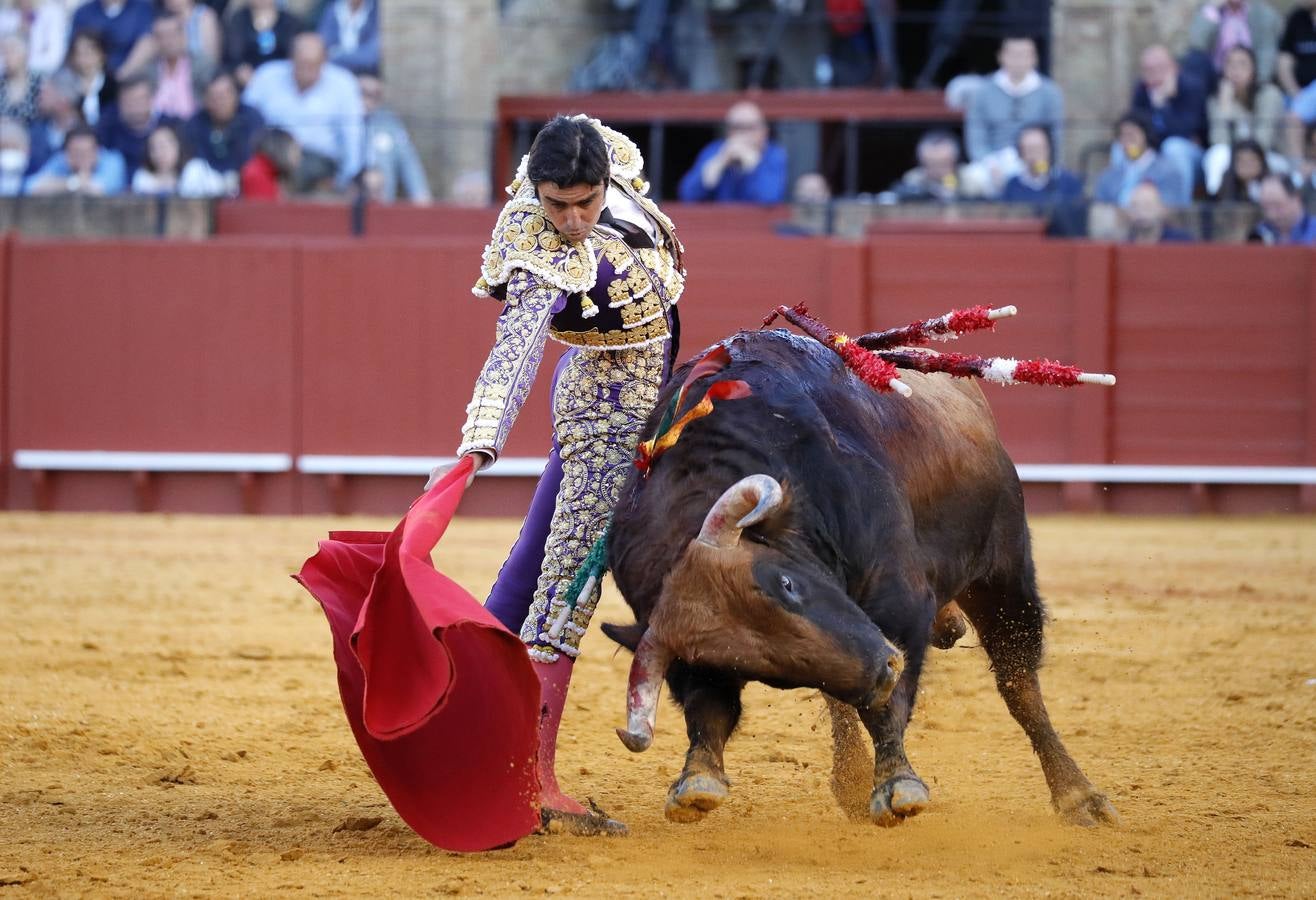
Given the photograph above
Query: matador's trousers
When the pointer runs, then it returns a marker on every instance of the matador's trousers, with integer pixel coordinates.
(600, 402)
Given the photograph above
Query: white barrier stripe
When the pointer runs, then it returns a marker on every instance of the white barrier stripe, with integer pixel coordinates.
(1117, 474)
(533, 466)
(507, 466)
(133, 461)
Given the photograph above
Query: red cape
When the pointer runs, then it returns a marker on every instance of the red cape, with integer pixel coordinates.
(441, 697)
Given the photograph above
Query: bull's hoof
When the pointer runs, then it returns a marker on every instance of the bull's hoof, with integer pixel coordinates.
(1088, 808)
(693, 796)
(897, 800)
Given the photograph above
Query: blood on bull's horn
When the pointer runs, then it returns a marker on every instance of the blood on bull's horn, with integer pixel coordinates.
(745, 503)
(646, 681)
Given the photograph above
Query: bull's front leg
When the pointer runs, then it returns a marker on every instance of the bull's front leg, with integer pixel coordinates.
(711, 701)
(898, 791)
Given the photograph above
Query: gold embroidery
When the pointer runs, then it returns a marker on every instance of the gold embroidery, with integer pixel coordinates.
(647, 333)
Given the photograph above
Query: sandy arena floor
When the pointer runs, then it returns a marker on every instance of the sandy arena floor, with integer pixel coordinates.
(170, 725)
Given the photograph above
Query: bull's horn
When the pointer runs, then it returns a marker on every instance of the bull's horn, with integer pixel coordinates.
(745, 503)
(647, 671)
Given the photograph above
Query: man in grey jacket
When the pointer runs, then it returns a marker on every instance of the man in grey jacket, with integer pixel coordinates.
(392, 166)
(1013, 96)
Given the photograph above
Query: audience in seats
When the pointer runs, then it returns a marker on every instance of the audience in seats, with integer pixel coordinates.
(1284, 218)
(1241, 108)
(1222, 25)
(269, 173)
(350, 29)
(1054, 193)
(169, 169)
(1014, 95)
(936, 178)
(742, 167)
(1173, 103)
(392, 165)
(319, 103)
(44, 24)
(14, 146)
(82, 167)
(258, 33)
(1295, 67)
(19, 88)
(1133, 161)
(120, 24)
(57, 115)
(97, 87)
(224, 131)
(1247, 168)
(1147, 218)
(126, 125)
(178, 75)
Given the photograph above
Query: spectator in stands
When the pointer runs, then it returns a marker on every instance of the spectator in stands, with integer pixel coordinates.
(470, 188)
(14, 147)
(1133, 161)
(258, 33)
(1284, 220)
(82, 167)
(224, 131)
(391, 160)
(1247, 167)
(98, 88)
(320, 104)
(57, 115)
(179, 77)
(350, 29)
(45, 26)
(811, 212)
(170, 171)
(120, 24)
(271, 169)
(19, 88)
(125, 126)
(1174, 104)
(1296, 65)
(204, 31)
(1147, 218)
(1221, 25)
(1239, 109)
(742, 167)
(953, 20)
(1303, 164)
(936, 178)
(1040, 180)
(1015, 95)
(863, 44)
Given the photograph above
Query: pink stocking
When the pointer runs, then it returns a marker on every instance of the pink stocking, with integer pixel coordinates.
(554, 679)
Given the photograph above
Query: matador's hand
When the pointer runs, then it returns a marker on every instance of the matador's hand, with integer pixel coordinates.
(436, 475)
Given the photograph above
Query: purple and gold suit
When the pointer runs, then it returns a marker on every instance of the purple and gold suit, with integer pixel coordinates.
(611, 298)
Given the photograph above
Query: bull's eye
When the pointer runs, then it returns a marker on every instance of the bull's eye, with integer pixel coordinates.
(787, 585)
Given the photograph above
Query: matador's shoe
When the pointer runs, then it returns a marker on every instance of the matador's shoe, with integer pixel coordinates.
(592, 823)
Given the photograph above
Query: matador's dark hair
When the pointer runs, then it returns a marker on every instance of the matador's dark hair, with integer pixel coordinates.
(568, 151)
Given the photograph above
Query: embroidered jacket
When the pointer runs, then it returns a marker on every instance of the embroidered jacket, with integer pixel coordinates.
(603, 293)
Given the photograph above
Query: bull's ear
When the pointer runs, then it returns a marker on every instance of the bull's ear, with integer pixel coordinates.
(626, 635)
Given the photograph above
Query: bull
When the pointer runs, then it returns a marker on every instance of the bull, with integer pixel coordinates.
(819, 534)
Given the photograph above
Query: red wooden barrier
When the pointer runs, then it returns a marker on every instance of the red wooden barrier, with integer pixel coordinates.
(351, 347)
(153, 346)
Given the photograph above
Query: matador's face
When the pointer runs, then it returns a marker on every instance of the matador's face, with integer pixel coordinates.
(574, 210)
